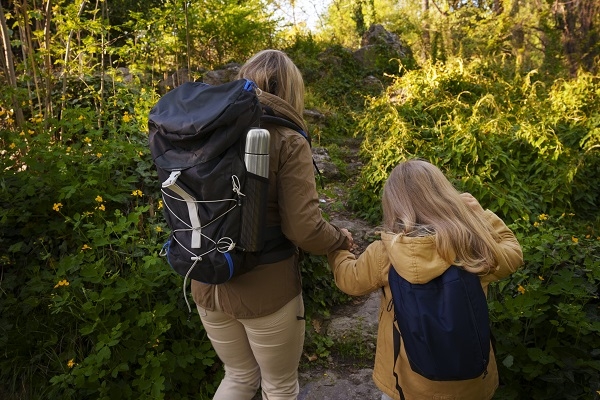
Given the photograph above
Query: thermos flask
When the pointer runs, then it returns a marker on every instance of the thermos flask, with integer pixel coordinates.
(254, 209)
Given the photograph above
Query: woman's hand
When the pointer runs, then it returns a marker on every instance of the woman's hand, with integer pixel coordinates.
(349, 242)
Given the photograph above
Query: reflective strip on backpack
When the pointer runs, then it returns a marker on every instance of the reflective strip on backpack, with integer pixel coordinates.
(191, 205)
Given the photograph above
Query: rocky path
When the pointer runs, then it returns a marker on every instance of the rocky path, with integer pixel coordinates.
(346, 373)
(346, 380)
(352, 325)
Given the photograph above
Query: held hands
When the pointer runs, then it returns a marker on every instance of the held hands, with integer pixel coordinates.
(349, 242)
(471, 202)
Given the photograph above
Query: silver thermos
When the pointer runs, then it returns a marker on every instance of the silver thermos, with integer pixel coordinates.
(257, 152)
(256, 189)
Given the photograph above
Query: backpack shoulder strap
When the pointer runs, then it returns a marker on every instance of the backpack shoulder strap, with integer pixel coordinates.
(272, 119)
(397, 337)
(269, 117)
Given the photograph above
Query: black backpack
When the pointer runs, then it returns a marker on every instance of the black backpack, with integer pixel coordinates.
(444, 324)
(214, 207)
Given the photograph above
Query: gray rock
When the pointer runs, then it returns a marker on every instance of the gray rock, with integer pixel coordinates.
(378, 41)
(220, 76)
(339, 386)
(359, 324)
(323, 161)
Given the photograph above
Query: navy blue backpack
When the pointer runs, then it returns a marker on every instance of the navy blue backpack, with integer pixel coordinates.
(444, 324)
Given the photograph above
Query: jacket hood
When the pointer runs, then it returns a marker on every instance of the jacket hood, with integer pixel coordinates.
(282, 109)
(415, 258)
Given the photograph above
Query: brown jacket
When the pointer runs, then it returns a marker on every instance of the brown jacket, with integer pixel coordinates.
(416, 259)
(293, 204)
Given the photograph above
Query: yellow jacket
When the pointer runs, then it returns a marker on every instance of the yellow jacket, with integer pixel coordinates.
(416, 259)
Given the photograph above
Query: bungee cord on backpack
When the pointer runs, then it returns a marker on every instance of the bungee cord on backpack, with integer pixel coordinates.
(223, 245)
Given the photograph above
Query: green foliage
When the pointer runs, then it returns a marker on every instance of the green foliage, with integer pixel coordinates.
(319, 290)
(197, 35)
(522, 147)
(88, 309)
(546, 317)
(347, 20)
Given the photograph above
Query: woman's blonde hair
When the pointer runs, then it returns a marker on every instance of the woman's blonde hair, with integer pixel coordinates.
(418, 199)
(274, 72)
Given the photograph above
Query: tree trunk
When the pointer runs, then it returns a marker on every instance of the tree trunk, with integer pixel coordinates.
(497, 7)
(575, 19)
(517, 34)
(425, 37)
(10, 68)
(28, 52)
(48, 62)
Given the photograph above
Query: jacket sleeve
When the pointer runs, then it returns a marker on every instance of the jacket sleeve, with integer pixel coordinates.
(362, 275)
(301, 219)
(511, 255)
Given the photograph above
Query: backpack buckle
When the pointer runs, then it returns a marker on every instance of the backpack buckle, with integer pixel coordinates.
(171, 179)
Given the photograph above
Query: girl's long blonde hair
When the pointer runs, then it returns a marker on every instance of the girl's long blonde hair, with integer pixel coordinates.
(274, 72)
(418, 198)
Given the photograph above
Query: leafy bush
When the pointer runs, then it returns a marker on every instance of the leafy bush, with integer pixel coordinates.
(88, 309)
(522, 147)
(546, 317)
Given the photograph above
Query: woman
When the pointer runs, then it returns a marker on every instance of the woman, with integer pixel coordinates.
(256, 321)
(429, 226)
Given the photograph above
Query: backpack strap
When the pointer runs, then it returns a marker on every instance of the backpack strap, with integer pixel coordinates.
(277, 246)
(270, 117)
(397, 340)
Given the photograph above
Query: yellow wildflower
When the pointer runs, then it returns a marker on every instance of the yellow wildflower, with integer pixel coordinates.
(12, 145)
(158, 229)
(30, 132)
(22, 133)
(63, 282)
(160, 206)
(137, 193)
(543, 217)
(521, 289)
(99, 199)
(587, 236)
(126, 117)
(536, 223)
(68, 149)
(541, 278)
(574, 239)
(87, 140)
(101, 207)
(56, 207)
(86, 247)
(98, 155)
(71, 363)
(81, 118)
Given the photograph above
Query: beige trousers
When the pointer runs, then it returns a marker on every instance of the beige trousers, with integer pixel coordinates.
(257, 352)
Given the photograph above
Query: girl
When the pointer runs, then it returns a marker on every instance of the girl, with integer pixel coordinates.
(428, 226)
